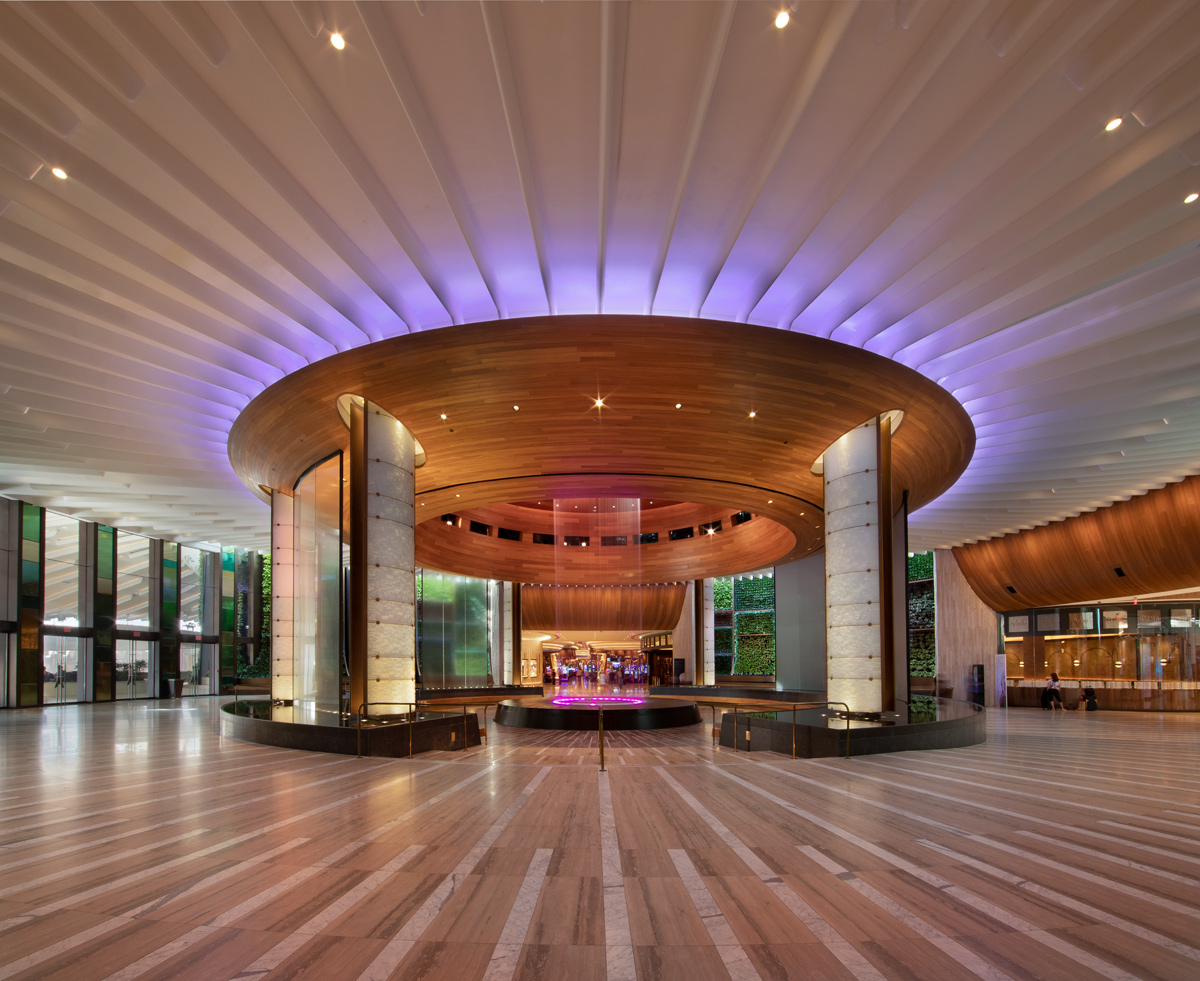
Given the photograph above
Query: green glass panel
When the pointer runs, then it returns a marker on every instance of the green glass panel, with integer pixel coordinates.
(31, 523)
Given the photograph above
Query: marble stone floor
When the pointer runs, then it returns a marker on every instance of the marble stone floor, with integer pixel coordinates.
(136, 842)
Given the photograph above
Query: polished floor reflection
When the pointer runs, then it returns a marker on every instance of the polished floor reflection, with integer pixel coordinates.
(136, 842)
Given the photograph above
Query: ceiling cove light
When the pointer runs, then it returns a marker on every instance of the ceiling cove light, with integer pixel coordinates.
(59, 173)
(337, 40)
(1113, 123)
(781, 19)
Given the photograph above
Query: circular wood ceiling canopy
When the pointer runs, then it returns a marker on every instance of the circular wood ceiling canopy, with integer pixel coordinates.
(706, 412)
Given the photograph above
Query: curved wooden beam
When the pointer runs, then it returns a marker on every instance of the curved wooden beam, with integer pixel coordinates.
(1076, 560)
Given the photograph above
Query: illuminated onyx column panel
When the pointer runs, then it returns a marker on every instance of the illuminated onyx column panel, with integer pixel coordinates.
(512, 649)
(282, 595)
(707, 642)
(383, 641)
(855, 620)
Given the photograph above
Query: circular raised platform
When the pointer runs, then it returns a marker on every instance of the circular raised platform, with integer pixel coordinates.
(582, 712)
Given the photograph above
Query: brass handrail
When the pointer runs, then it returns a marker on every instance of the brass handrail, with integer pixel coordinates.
(783, 707)
(362, 711)
(600, 725)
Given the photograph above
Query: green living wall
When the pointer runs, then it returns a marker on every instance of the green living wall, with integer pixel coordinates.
(744, 626)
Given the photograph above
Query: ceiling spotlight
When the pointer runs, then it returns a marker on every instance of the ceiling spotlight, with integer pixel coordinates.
(516, 408)
(337, 40)
(771, 502)
(781, 19)
(753, 413)
(1113, 123)
(679, 405)
(443, 415)
(59, 173)
(599, 403)
(1188, 200)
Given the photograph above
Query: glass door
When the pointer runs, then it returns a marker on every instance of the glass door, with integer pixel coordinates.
(193, 670)
(133, 669)
(60, 670)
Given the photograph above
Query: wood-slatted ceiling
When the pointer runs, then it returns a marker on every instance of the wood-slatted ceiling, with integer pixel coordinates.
(930, 181)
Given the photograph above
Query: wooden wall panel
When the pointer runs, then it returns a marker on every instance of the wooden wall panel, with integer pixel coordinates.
(1153, 539)
(966, 630)
(632, 608)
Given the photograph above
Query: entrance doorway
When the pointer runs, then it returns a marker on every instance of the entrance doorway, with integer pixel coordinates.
(133, 669)
(193, 670)
(60, 670)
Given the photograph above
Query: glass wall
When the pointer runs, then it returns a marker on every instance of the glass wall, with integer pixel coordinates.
(62, 614)
(135, 582)
(1129, 645)
(453, 630)
(195, 657)
(317, 523)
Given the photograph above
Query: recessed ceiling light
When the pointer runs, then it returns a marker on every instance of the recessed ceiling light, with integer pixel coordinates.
(781, 19)
(679, 405)
(1114, 123)
(456, 495)
(1191, 197)
(516, 408)
(59, 173)
(337, 40)
(771, 502)
(443, 415)
(753, 414)
(599, 403)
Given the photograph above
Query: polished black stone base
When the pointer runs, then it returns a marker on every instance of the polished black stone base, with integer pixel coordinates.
(258, 721)
(582, 712)
(931, 723)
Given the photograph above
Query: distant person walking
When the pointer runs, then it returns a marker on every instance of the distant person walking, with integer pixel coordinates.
(1053, 694)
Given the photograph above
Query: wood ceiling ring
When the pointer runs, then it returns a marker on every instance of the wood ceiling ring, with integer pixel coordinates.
(800, 525)
(751, 545)
(804, 392)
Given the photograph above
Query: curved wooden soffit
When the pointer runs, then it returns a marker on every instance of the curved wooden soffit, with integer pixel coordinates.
(756, 407)
(636, 608)
(1151, 539)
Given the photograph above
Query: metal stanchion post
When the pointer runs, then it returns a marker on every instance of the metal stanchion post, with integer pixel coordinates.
(793, 732)
(412, 721)
(464, 728)
(735, 728)
(601, 730)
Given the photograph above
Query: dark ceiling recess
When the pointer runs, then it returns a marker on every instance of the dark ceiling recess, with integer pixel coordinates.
(1010, 589)
(1119, 571)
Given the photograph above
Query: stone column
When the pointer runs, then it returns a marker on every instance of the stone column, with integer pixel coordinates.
(857, 600)
(283, 571)
(512, 640)
(383, 643)
(707, 641)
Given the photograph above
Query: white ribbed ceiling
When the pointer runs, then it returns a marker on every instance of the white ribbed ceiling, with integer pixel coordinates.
(932, 181)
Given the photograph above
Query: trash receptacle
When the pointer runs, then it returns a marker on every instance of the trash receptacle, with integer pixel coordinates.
(164, 688)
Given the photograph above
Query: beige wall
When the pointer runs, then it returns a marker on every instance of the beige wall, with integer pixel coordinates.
(966, 630)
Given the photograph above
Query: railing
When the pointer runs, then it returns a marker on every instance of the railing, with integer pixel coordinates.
(362, 711)
(781, 707)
